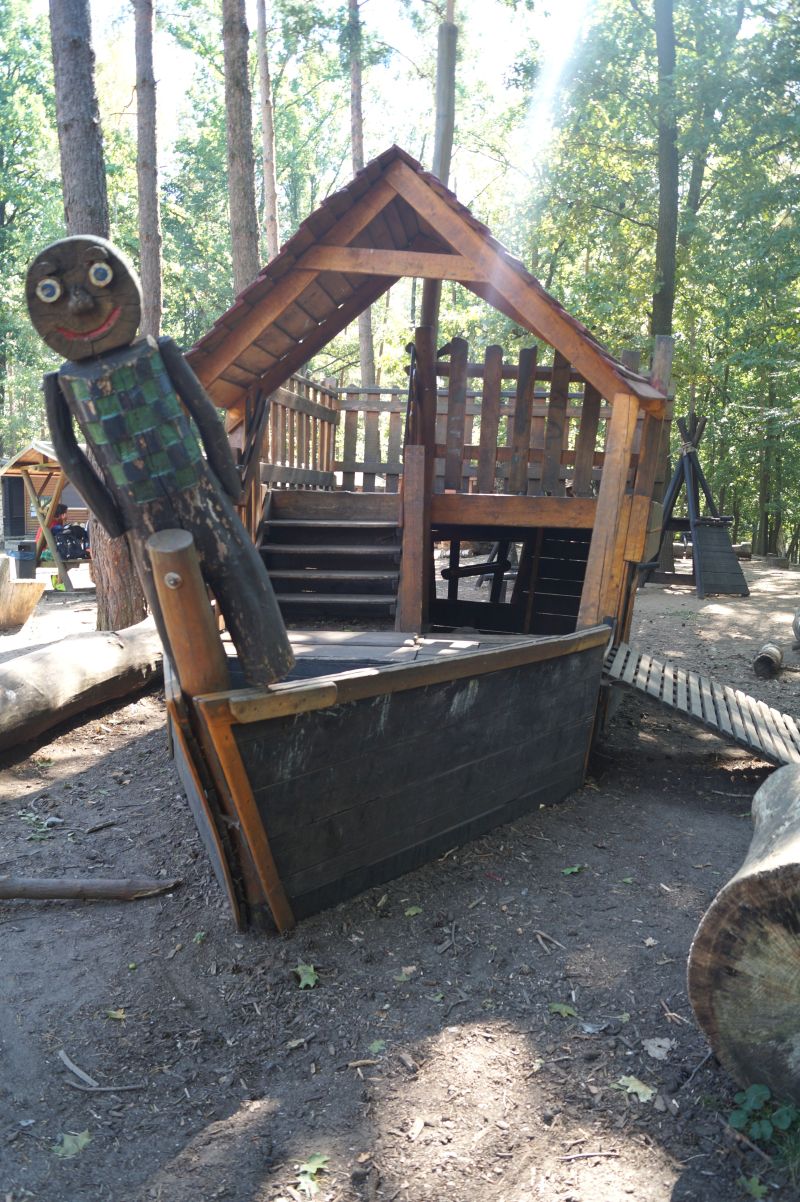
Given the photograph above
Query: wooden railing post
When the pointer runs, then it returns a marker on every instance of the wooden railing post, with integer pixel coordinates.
(456, 413)
(490, 418)
(194, 643)
(415, 563)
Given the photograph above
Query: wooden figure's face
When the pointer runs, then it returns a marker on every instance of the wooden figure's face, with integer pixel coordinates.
(83, 297)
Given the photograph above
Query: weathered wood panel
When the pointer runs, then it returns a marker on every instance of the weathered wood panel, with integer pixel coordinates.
(358, 793)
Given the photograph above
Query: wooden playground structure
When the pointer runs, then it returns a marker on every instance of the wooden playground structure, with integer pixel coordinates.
(381, 750)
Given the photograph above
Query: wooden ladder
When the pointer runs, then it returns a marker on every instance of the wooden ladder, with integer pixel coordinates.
(729, 713)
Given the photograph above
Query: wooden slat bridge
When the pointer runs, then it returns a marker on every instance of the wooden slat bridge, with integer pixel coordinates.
(729, 713)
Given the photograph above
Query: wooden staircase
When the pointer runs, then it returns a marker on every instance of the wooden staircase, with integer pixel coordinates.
(332, 554)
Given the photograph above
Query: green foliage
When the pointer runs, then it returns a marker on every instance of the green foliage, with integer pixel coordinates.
(759, 1116)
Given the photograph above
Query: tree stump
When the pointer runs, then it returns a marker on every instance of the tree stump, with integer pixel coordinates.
(768, 662)
(744, 963)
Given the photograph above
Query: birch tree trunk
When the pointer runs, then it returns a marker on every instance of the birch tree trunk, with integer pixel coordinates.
(239, 119)
(366, 352)
(147, 170)
(120, 600)
(271, 224)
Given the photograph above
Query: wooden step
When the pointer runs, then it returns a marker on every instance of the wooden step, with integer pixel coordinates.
(315, 505)
(330, 550)
(328, 524)
(315, 576)
(339, 603)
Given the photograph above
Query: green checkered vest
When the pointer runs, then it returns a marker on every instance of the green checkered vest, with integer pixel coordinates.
(127, 408)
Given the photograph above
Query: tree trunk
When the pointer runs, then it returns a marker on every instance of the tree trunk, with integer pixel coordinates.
(366, 352)
(80, 139)
(147, 170)
(241, 180)
(667, 233)
(442, 144)
(120, 600)
(48, 686)
(744, 964)
(271, 224)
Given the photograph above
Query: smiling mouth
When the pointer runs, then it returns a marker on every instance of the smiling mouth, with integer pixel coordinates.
(90, 335)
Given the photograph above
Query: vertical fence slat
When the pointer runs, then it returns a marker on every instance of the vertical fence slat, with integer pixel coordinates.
(587, 439)
(372, 442)
(490, 418)
(552, 484)
(521, 422)
(456, 413)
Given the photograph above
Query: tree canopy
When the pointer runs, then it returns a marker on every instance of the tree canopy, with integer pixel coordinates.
(563, 167)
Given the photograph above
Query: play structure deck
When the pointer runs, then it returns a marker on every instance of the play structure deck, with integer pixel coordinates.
(729, 713)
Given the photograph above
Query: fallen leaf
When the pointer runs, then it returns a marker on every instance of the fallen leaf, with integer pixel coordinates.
(563, 1010)
(645, 1093)
(650, 941)
(572, 869)
(307, 975)
(658, 1048)
(118, 1015)
(412, 911)
(416, 1129)
(377, 1046)
(71, 1143)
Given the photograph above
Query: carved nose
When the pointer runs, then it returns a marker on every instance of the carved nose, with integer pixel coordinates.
(80, 301)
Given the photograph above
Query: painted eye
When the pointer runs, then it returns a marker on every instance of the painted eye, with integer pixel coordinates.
(100, 274)
(48, 290)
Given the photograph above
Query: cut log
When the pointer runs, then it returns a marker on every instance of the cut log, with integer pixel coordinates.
(18, 598)
(87, 889)
(744, 963)
(768, 662)
(54, 683)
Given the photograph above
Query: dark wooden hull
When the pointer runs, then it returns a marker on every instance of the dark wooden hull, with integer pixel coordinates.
(352, 777)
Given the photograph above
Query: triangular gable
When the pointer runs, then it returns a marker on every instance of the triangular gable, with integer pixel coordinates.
(392, 220)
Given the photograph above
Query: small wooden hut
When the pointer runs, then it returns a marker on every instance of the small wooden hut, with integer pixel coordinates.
(566, 467)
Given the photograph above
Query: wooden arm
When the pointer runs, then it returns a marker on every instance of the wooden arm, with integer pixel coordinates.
(205, 414)
(75, 463)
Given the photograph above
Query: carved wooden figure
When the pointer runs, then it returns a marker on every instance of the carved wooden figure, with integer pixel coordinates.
(130, 399)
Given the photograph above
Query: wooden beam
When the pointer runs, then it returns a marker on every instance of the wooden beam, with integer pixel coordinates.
(528, 300)
(492, 371)
(605, 565)
(362, 260)
(481, 509)
(209, 367)
(49, 537)
(415, 563)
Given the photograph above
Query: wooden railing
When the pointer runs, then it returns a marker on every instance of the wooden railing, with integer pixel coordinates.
(520, 428)
(298, 447)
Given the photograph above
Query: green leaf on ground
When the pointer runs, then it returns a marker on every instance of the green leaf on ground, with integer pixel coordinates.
(645, 1093)
(413, 911)
(562, 1010)
(377, 1046)
(572, 869)
(307, 1174)
(71, 1143)
(117, 1015)
(753, 1187)
(307, 975)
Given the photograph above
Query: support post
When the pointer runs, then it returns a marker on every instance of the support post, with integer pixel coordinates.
(49, 537)
(415, 563)
(194, 643)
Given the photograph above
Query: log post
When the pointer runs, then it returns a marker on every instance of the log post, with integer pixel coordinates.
(49, 537)
(768, 662)
(194, 642)
(744, 963)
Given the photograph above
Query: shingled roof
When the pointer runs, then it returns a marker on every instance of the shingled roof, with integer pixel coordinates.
(392, 220)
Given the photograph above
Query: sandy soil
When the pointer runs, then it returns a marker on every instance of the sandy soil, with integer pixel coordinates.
(427, 1063)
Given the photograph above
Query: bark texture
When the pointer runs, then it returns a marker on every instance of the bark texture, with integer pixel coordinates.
(241, 179)
(667, 232)
(744, 964)
(271, 223)
(80, 140)
(366, 350)
(120, 600)
(147, 170)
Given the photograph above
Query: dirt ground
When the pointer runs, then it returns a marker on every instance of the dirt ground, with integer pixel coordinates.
(472, 1025)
